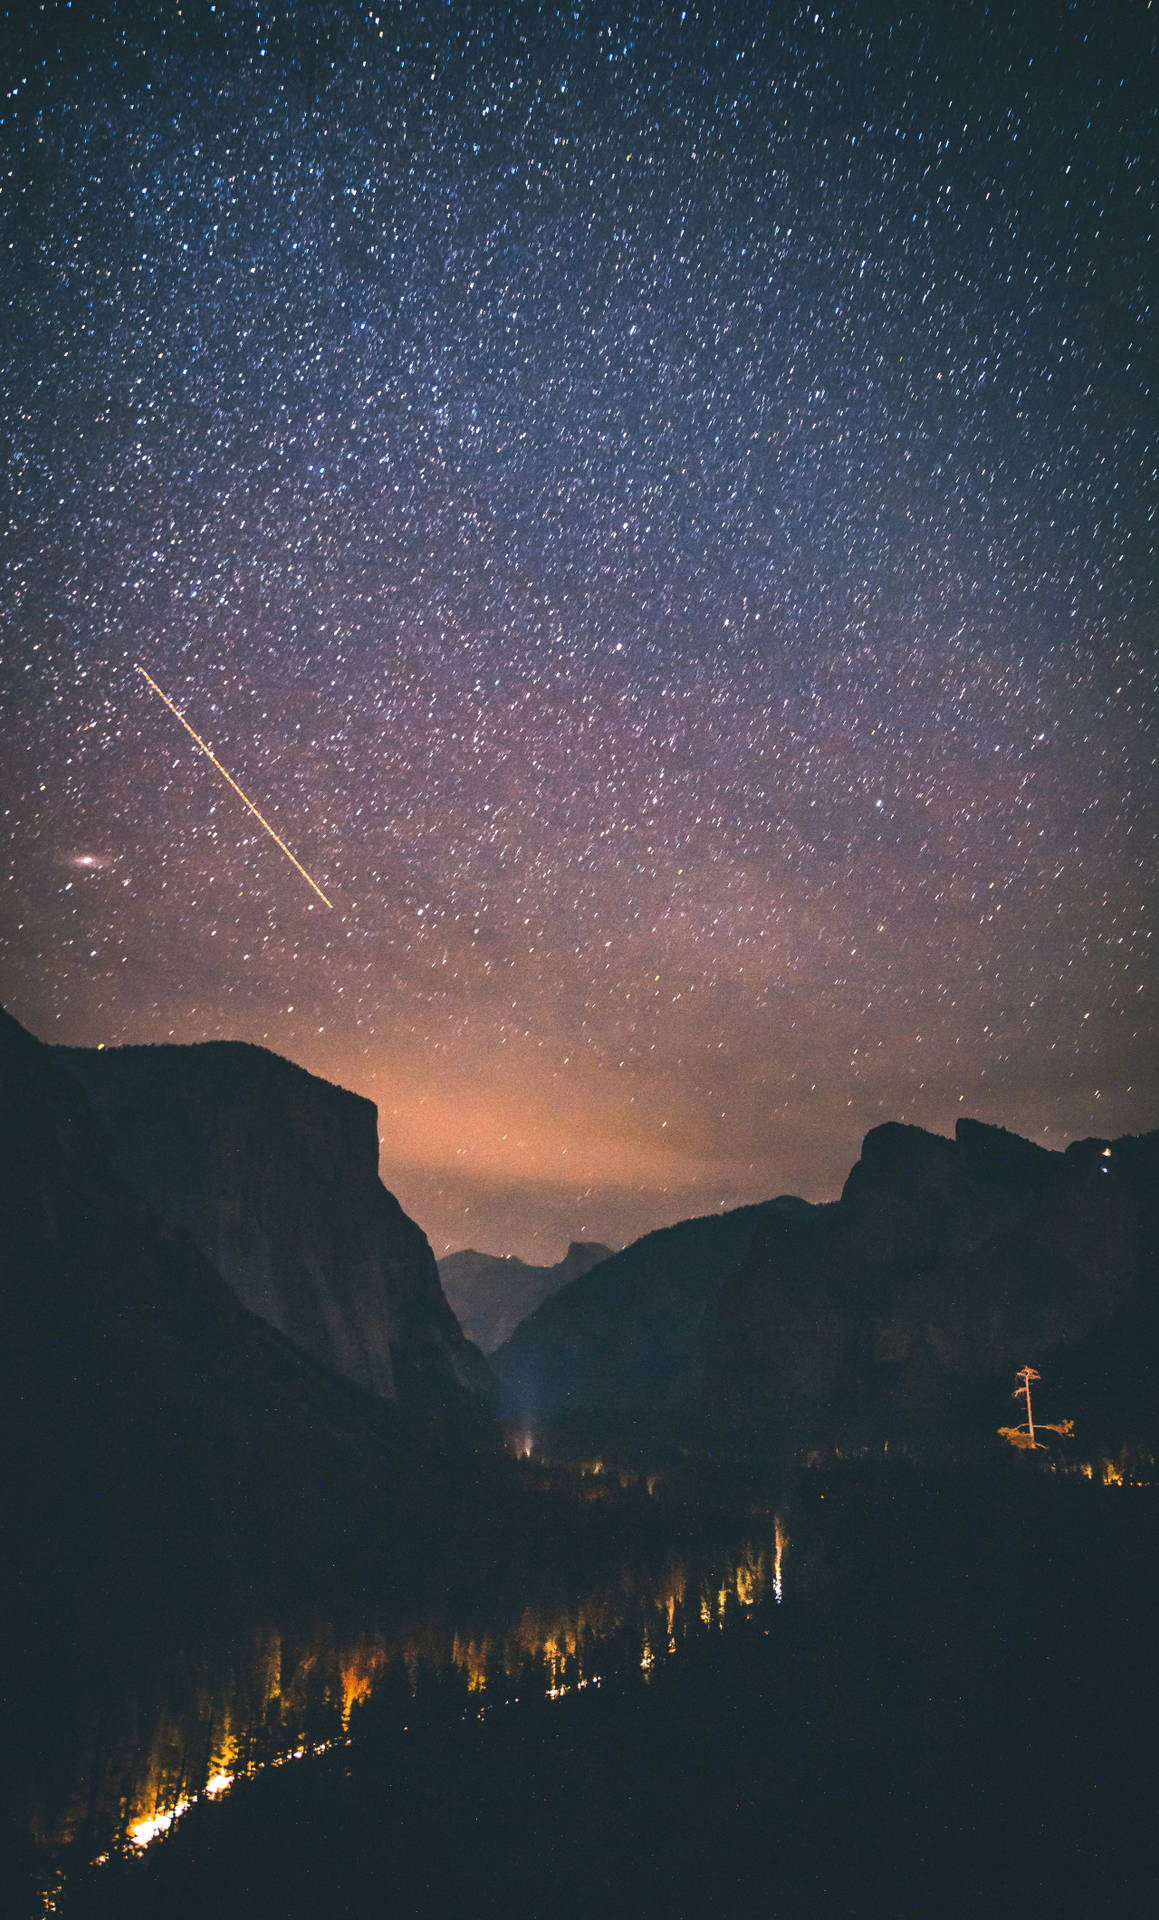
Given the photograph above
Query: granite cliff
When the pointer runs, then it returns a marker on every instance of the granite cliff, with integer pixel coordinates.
(492, 1292)
(907, 1306)
(273, 1174)
(156, 1433)
(631, 1335)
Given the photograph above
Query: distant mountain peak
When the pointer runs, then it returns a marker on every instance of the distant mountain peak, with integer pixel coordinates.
(492, 1292)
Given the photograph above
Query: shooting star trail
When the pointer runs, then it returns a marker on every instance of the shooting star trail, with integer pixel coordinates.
(226, 775)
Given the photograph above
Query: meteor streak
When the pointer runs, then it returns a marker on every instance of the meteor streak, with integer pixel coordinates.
(196, 737)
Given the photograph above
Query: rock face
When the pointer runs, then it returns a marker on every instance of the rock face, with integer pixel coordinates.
(946, 1265)
(273, 1174)
(631, 1335)
(492, 1292)
(147, 1419)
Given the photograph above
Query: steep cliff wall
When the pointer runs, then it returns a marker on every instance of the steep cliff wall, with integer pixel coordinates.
(491, 1293)
(153, 1430)
(946, 1265)
(273, 1174)
(631, 1335)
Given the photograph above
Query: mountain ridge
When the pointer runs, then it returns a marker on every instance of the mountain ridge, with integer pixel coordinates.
(273, 1173)
(492, 1292)
(160, 1434)
(907, 1307)
(629, 1336)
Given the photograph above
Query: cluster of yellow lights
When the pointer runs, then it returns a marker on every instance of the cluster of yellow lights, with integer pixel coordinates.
(780, 1548)
(1111, 1473)
(564, 1645)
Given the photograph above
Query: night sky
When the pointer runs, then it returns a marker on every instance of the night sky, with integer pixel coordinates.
(656, 506)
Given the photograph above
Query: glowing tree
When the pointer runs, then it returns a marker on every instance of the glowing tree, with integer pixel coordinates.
(1026, 1375)
(1023, 1436)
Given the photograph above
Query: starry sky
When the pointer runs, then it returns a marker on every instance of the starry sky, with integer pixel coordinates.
(656, 505)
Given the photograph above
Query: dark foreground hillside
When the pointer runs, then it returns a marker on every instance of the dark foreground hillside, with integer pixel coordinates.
(951, 1715)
